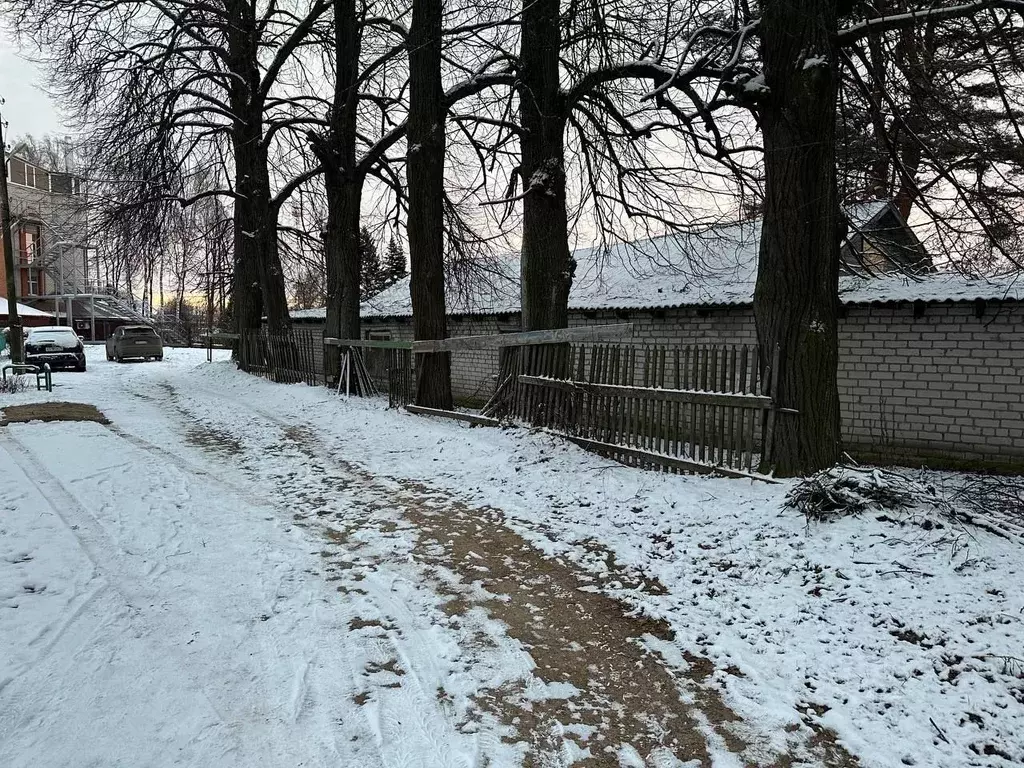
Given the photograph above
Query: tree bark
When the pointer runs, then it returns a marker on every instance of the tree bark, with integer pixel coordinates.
(796, 297)
(344, 183)
(256, 246)
(341, 242)
(546, 265)
(425, 171)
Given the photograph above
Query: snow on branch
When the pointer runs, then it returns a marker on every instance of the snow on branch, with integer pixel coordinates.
(935, 13)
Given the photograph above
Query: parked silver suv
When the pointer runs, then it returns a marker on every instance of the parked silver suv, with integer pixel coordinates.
(134, 341)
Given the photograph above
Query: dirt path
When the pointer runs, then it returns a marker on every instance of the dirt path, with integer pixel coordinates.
(608, 688)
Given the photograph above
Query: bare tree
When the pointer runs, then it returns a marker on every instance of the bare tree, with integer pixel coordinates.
(425, 170)
(204, 77)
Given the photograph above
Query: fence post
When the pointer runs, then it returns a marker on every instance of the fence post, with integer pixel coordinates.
(773, 410)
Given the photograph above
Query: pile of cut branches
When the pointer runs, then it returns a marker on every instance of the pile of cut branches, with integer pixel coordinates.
(850, 490)
(990, 502)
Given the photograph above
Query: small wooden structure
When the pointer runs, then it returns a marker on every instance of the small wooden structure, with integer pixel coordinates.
(44, 377)
(375, 366)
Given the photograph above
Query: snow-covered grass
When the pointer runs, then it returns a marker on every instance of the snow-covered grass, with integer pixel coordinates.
(906, 642)
(156, 613)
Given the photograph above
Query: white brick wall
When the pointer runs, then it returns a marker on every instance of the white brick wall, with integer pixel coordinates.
(946, 384)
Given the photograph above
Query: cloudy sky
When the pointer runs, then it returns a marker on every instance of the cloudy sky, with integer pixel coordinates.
(27, 108)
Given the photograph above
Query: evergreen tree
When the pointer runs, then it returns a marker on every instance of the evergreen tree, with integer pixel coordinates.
(394, 263)
(309, 291)
(371, 278)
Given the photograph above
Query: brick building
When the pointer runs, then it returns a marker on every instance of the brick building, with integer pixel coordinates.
(50, 231)
(931, 369)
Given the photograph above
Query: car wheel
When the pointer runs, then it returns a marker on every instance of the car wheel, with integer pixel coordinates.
(110, 358)
(159, 358)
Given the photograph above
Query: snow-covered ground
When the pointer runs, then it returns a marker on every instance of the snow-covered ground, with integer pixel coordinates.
(242, 573)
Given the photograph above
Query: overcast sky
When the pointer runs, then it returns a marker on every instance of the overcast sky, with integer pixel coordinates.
(28, 109)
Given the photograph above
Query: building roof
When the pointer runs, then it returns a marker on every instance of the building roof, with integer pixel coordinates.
(23, 310)
(717, 267)
(106, 307)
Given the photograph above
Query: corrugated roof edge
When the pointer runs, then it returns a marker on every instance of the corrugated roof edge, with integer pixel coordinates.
(883, 291)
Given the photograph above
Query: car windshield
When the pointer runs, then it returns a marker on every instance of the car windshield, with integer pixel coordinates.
(139, 332)
(61, 334)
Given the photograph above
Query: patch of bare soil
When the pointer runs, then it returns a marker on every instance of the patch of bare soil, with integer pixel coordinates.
(17, 414)
(213, 440)
(622, 692)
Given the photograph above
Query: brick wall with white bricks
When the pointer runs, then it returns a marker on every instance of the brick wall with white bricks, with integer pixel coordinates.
(917, 382)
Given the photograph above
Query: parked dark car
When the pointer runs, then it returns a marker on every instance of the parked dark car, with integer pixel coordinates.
(57, 345)
(134, 341)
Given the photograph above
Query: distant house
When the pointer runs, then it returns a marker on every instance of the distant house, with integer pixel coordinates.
(716, 267)
(879, 240)
(50, 237)
(50, 230)
(29, 316)
(930, 365)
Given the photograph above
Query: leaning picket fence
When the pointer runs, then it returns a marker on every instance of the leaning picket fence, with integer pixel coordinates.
(680, 408)
(685, 408)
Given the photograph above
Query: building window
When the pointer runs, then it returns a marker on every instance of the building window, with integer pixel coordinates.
(378, 335)
(17, 171)
(61, 184)
(30, 243)
(34, 282)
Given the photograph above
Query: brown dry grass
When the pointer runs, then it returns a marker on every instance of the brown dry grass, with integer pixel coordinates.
(18, 414)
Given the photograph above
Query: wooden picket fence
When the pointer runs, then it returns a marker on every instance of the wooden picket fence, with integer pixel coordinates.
(686, 408)
(285, 358)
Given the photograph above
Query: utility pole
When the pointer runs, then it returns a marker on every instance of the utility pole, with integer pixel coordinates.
(17, 340)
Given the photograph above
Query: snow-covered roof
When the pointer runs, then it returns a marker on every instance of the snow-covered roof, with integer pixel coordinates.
(941, 286)
(23, 310)
(717, 267)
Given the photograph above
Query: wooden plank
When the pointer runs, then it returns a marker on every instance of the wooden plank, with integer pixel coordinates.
(552, 336)
(368, 343)
(723, 386)
(472, 418)
(761, 402)
(741, 386)
(662, 459)
(767, 450)
(702, 384)
(675, 407)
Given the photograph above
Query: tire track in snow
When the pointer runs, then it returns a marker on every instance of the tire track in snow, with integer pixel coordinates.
(682, 711)
(390, 709)
(94, 543)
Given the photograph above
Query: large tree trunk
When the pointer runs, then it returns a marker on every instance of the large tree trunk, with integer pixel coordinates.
(344, 182)
(425, 171)
(341, 243)
(255, 215)
(796, 298)
(547, 266)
